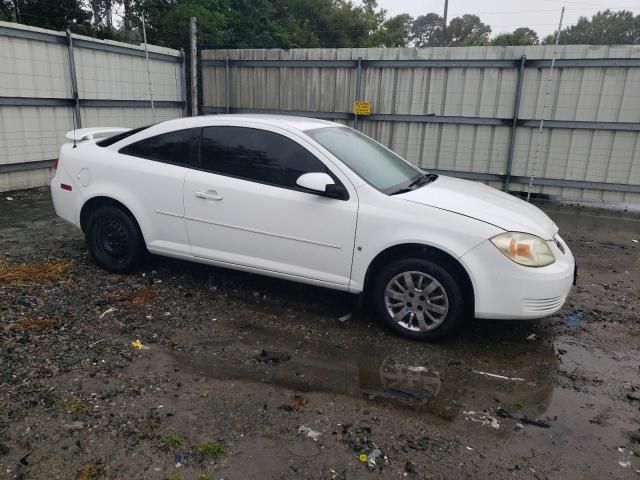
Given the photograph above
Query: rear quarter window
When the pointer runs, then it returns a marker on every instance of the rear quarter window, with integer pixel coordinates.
(121, 136)
(171, 147)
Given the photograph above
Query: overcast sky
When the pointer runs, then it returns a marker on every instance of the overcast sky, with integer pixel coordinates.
(507, 15)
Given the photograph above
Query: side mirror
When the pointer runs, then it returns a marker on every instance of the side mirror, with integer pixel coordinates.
(323, 184)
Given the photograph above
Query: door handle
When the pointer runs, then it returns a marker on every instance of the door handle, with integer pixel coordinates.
(209, 195)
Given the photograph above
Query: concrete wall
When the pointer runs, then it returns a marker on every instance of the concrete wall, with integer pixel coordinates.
(34, 65)
(603, 94)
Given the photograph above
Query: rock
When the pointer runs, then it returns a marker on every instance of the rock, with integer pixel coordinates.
(77, 425)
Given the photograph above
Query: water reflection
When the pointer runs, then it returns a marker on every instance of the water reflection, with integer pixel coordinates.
(438, 380)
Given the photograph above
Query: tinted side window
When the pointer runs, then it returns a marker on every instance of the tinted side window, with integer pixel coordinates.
(257, 155)
(172, 147)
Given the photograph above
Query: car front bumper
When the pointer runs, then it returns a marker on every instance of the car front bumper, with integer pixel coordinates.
(504, 289)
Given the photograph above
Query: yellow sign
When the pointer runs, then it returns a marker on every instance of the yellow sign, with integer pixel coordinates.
(362, 108)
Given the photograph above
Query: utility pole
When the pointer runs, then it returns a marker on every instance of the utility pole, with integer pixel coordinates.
(194, 68)
(444, 24)
(146, 56)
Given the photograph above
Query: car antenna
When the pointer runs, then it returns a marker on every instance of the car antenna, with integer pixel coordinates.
(75, 145)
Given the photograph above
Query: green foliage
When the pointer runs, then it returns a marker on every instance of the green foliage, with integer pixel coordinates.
(426, 31)
(604, 28)
(394, 32)
(466, 31)
(293, 24)
(172, 440)
(520, 36)
(212, 449)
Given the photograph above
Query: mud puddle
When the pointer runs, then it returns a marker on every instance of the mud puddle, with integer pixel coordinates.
(438, 381)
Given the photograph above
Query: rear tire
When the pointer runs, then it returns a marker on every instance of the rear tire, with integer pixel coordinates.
(419, 299)
(114, 239)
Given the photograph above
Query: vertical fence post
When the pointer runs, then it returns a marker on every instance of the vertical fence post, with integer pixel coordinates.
(514, 124)
(183, 81)
(358, 80)
(74, 81)
(227, 84)
(194, 67)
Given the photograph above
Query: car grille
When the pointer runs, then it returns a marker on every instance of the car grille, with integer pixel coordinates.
(542, 305)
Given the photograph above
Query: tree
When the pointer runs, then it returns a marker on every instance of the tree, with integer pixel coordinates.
(58, 15)
(604, 28)
(426, 30)
(394, 32)
(466, 31)
(520, 36)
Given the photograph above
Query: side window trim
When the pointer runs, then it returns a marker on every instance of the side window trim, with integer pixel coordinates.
(237, 177)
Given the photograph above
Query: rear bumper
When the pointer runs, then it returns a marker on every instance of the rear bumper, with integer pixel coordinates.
(506, 290)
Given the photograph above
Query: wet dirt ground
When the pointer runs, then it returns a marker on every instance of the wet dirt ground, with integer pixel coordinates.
(202, 400)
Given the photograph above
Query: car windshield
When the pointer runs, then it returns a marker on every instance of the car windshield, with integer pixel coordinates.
(377, 165)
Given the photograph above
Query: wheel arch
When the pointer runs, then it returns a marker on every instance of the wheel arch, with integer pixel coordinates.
(427, 252)
(99, 201)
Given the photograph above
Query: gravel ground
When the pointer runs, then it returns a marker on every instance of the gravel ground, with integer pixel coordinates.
(238, 373)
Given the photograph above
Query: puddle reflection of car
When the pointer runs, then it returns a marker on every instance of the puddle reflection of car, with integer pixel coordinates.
(314, 202)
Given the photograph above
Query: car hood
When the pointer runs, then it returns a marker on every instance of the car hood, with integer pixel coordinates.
(484, 203)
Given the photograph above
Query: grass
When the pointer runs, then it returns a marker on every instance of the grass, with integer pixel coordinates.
(171, 440)
(33, 323)
(18, 275)
(212, 449)
(73, 404)
(88, 472)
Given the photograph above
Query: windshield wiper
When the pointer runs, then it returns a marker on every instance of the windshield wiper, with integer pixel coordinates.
(401, 190)
(423, 180)
(420, 181)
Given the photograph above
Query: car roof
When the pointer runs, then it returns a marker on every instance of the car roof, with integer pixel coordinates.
(288, 121)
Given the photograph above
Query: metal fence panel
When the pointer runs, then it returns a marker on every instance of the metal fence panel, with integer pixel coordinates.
(37, 101)
(451, 109)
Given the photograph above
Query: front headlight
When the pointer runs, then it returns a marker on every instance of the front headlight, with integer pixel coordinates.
(524, 249)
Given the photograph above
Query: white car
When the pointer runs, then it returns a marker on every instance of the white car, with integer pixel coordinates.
(314, 202)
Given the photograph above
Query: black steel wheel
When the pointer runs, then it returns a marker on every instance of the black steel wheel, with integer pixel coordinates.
(114, 239)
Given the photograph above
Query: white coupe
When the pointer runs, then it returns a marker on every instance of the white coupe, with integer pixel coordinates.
(314, 202)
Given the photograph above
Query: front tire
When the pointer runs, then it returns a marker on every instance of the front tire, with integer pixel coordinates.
(418, 299)
(114, 239)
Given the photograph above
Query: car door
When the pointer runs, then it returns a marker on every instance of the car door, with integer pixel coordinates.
(243, 206)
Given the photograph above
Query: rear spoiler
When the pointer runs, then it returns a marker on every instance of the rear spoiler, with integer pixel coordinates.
(89, 133)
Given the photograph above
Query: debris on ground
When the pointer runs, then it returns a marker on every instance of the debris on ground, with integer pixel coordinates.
(482, 418)
(309, 432)
(521, 417)
(345, 318)
(272, 357)
(107, 312)
(635, 240)
(139, 345)
(295, 406)
(499, 377)
(179, 459)
(573, 319)
(10, 198)
(532, 337)
(372, 457)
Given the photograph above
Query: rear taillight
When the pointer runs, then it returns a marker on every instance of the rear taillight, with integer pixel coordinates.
(55, 164)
